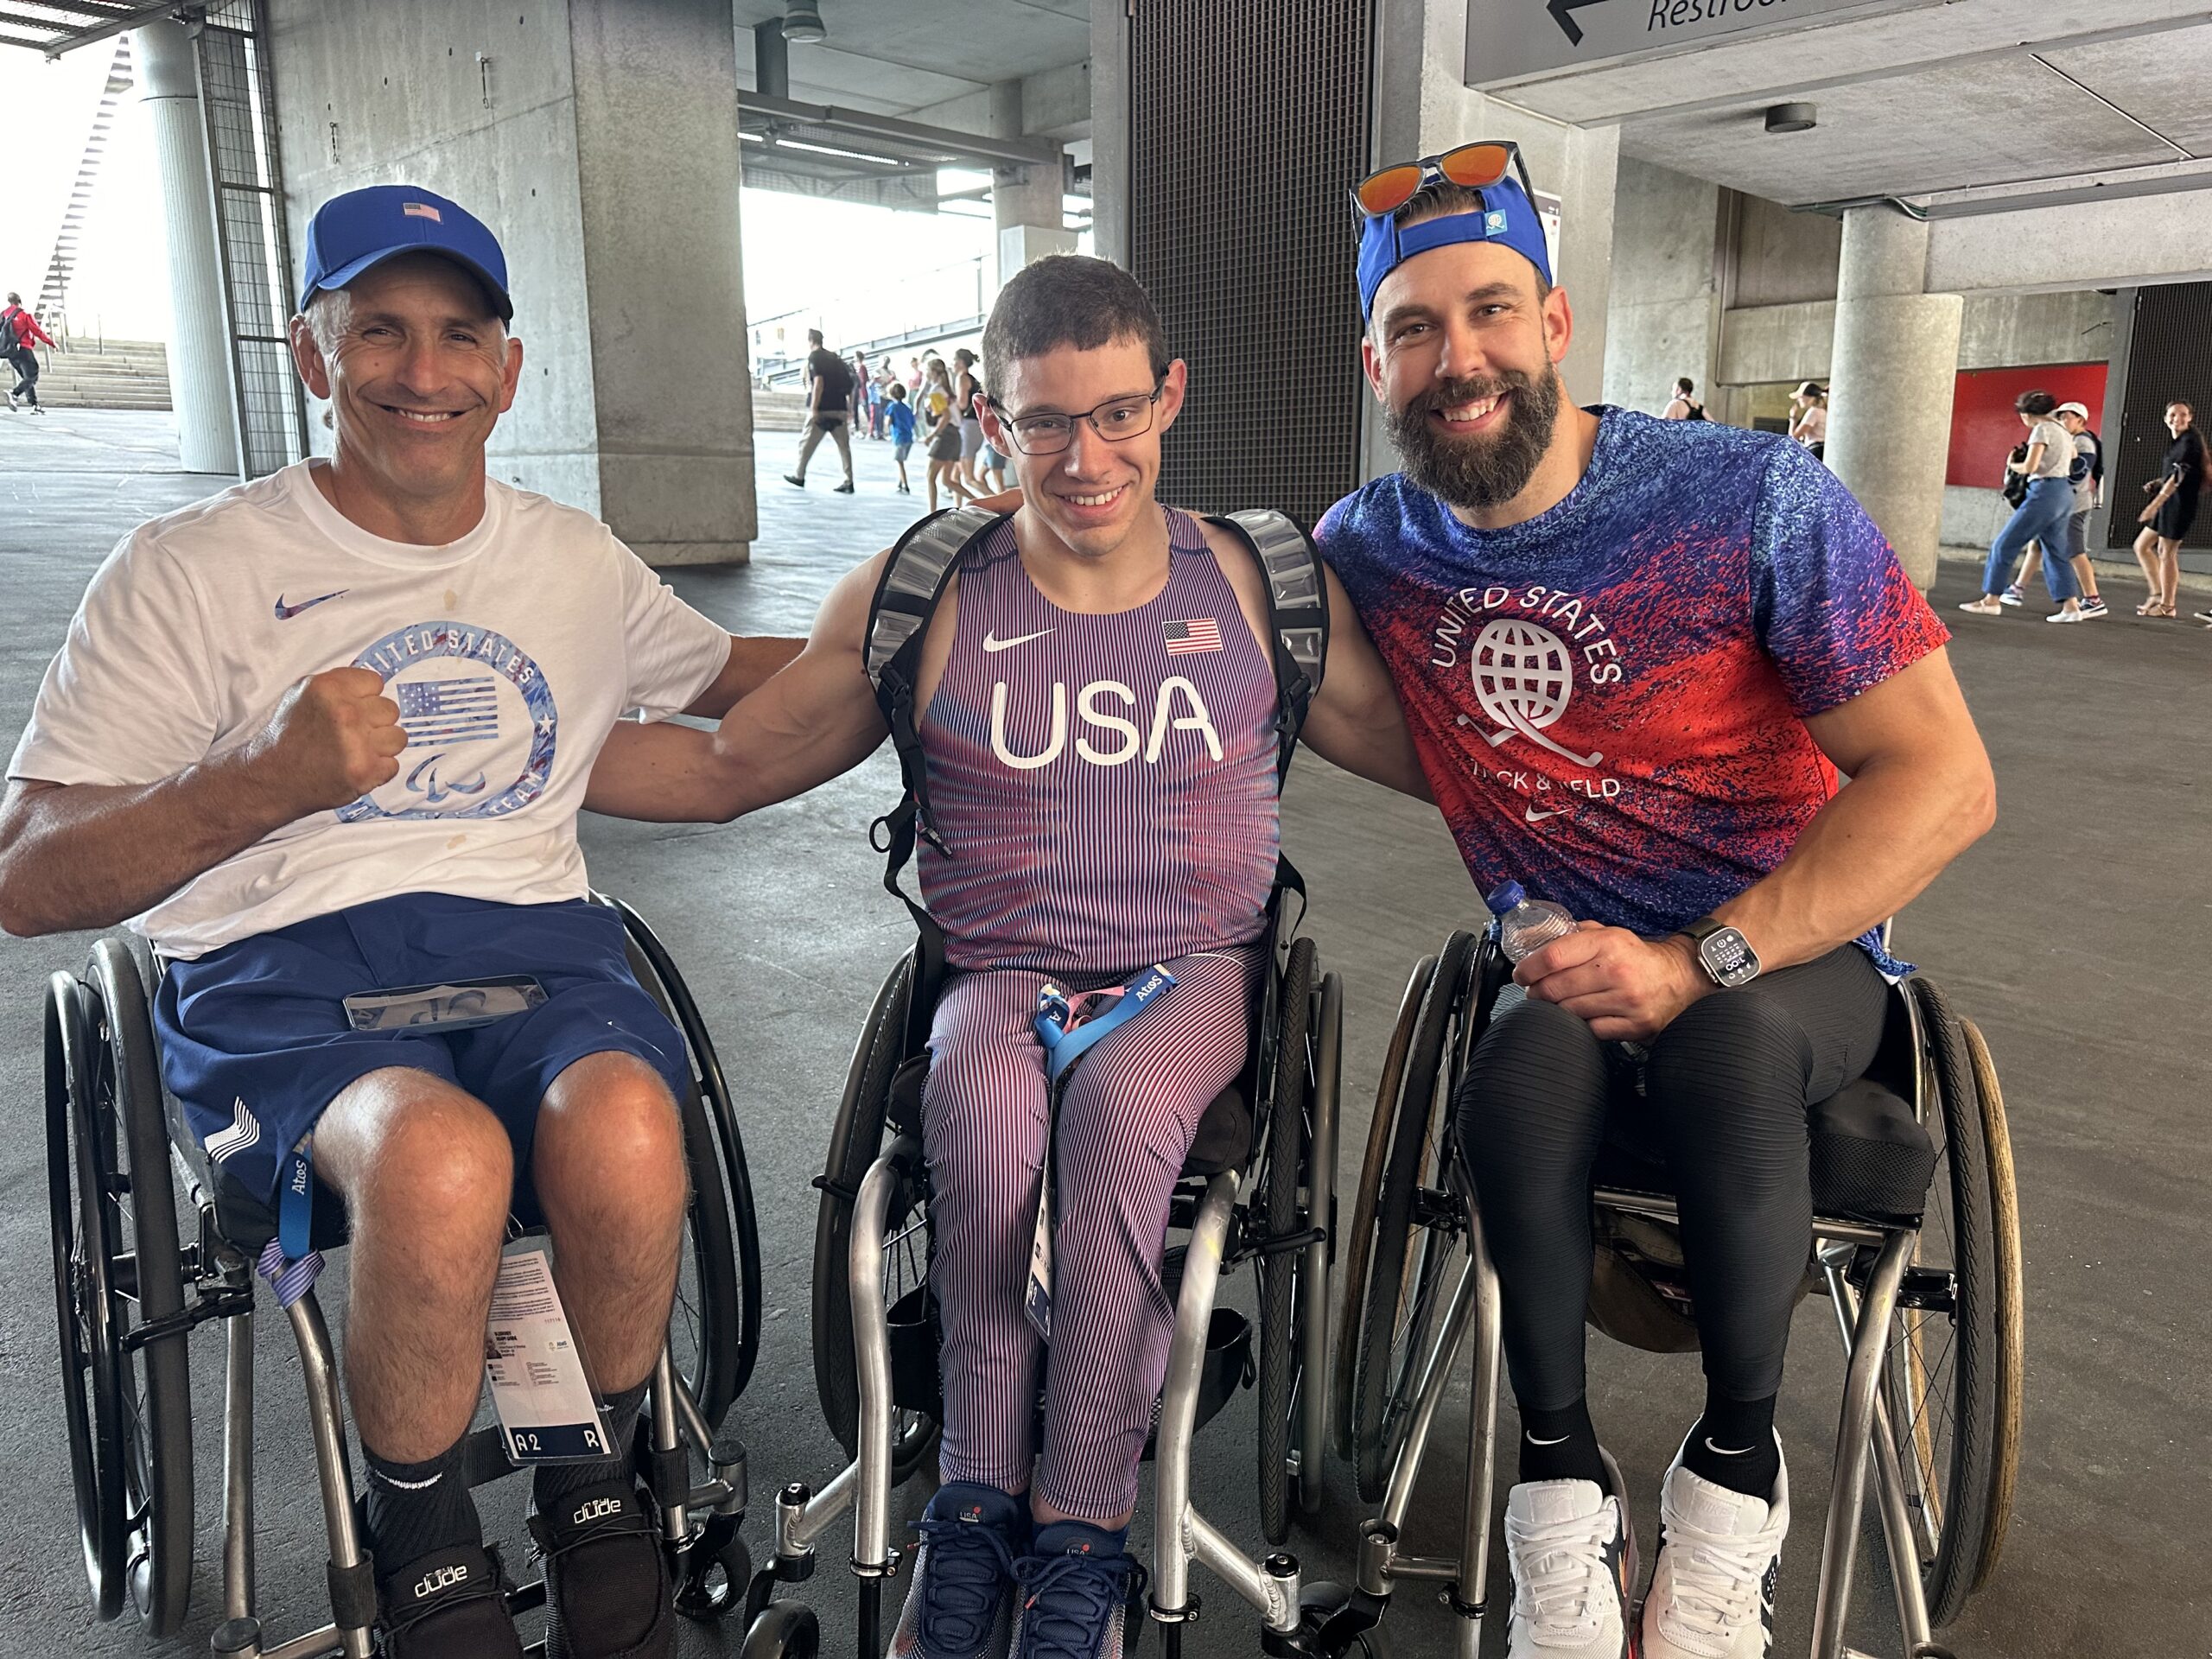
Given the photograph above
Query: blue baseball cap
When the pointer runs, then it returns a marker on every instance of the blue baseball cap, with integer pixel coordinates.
(1507, 217)
(353, 233)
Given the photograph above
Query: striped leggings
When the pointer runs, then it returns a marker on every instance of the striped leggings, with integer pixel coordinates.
(1131, 1108)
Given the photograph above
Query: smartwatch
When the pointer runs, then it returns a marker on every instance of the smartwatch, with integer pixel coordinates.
(1724, 954)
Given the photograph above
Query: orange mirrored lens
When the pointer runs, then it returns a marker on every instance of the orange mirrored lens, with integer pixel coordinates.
(1391, 189)
(1475, 165)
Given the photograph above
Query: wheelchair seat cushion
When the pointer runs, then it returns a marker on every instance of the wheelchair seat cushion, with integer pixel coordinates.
(255, 1038)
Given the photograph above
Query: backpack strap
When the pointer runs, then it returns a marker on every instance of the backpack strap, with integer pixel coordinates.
(1298, 616)
(914, 579)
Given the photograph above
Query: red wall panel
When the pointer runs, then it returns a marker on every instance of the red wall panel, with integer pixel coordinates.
(1984, 426)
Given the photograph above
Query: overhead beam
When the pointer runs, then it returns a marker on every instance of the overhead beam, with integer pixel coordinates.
(118, 24)
(1009, 152)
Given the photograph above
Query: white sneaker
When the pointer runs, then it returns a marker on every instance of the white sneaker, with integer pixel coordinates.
(1983, 607)
(1572, 1556)
(2068, 616)
(1712, 1594)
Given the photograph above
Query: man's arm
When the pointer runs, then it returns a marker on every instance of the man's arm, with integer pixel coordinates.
(76, 856)
(751, 660)
(1920, 793)
(804, 725)
(1355, 720)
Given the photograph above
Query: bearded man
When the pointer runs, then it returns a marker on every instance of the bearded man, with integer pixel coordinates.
(1634, 656)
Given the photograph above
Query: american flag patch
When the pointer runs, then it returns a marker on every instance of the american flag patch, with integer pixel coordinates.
(449, 711)
(422, 210)
(1185, 638)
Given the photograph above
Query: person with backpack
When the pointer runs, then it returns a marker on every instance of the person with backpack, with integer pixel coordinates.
(1682, 406)
(2087, 478)
(1093, 698)
(828, 409)
(19, 334)
(2041, 516)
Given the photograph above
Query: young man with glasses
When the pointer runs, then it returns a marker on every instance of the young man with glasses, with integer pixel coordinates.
(1635, 655)
(1097, 707)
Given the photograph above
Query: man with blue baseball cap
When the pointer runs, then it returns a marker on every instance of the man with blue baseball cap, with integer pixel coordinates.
(323, 739)
(1635, 655)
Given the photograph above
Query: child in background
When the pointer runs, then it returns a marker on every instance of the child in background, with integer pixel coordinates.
(900, 419)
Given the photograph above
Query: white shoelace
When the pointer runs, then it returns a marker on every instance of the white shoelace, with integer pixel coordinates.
(1716, 1578)
(1561, 1586)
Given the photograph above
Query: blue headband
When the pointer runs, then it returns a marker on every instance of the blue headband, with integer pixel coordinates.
(1508, 218)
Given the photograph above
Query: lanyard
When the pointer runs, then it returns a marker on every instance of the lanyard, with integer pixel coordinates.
(1068, 1031)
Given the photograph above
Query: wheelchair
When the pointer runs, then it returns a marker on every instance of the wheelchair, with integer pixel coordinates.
(1256, 1186)
(131, 1287)
(1916, 1242)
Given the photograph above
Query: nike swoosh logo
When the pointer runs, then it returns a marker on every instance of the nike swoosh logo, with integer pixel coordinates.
(1530, 815)
(993, 642)
(1725, 1451)
(286, 613)
(1533, 1440)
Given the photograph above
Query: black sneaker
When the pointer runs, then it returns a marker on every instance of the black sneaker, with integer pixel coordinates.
(446, 1604)
(845, 488)
(606, 1589)
(794, 478)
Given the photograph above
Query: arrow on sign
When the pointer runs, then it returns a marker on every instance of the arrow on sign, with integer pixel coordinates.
(1562, 14)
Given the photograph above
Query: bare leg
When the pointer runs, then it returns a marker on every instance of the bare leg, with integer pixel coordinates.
(2169, 572)
(2146, 557)
(2085, 573)
(607, 1165)
(426, 1172)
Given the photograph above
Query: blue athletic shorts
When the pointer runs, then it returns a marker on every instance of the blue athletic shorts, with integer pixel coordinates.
(255, 1038)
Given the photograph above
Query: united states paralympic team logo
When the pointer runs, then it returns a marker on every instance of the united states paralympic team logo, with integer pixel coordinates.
(1524, 678)
(463, 692)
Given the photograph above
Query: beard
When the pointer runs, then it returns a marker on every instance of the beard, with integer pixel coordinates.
(1479, 470)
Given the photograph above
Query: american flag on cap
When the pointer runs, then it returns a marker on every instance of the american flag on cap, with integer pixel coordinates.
(1188, 638)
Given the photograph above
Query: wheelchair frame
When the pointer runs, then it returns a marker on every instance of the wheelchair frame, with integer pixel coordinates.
(83, 1031)
(864, 1486)
(1864, 1432)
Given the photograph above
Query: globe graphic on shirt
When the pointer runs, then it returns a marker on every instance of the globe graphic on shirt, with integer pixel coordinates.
(1523, 676)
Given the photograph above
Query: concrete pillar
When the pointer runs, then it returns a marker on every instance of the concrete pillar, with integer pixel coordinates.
(201, 385)
(1663, 311)
(658, 164)
(1894, 363)
(1024, 200)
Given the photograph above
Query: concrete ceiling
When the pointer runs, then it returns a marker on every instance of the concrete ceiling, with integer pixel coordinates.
(1942, 97)
(900, 57)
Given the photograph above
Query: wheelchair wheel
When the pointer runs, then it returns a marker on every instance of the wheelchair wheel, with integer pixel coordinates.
(1359, 1236)
(1941, 1377)
(1280, 1270)
(786, 1631)
(2012, 1301)
(1410, 1253)
(117, 1276)
(714, 1325)
(855, 1140)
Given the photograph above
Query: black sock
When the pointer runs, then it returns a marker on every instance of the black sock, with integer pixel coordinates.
(1561, 1445)
(1734, 1446)
(416, 1508)
(554, 1481)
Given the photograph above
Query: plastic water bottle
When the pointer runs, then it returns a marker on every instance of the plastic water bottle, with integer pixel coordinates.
(1526, 926)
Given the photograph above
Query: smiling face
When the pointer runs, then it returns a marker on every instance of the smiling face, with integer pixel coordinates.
(417, 368)
(1462, 349)
(1096, 492)
(2179, 418)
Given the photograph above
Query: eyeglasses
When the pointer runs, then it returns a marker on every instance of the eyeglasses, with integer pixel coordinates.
(1114, 420)
(1472, 167)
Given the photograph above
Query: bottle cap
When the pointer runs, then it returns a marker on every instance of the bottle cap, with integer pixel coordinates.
(1508, 895)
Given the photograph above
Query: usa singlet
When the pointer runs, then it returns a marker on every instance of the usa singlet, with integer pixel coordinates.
(1106, 784)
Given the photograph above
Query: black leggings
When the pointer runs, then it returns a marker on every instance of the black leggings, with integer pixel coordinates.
(1726, 1089)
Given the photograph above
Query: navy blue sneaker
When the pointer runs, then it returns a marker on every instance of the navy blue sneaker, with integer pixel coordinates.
(1076, 1586)
(961, 1604)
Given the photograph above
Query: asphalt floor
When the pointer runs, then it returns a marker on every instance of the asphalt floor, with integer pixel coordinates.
(2075, 934)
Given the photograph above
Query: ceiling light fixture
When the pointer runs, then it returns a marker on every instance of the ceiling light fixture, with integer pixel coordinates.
(1780, 117)
(803, 23)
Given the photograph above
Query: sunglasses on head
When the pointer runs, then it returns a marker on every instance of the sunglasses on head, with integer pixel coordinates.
(1472, 167)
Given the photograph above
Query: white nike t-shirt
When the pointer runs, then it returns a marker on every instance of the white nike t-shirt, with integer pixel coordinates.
(511, 653)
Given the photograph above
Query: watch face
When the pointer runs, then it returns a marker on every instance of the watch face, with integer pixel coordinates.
(1728, 958)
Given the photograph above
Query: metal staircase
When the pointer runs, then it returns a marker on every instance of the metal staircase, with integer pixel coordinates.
(52, 305)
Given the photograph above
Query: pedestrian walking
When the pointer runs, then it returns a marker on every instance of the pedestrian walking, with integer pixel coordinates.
(2171, 511)
(879, 405)
(1809, 424)
(2041, 517)
(944, 438)
(2088, 479)
(1683, 405)
(967, 392)
(900, 419)
(19, 335)
(829, 403)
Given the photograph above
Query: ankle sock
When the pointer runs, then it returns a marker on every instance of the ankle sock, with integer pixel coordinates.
(416, 1508)
(551, 1482)
(1561, 1445)
(1734, 1446)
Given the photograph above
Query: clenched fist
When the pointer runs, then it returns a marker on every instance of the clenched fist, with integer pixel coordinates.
(333, 738)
